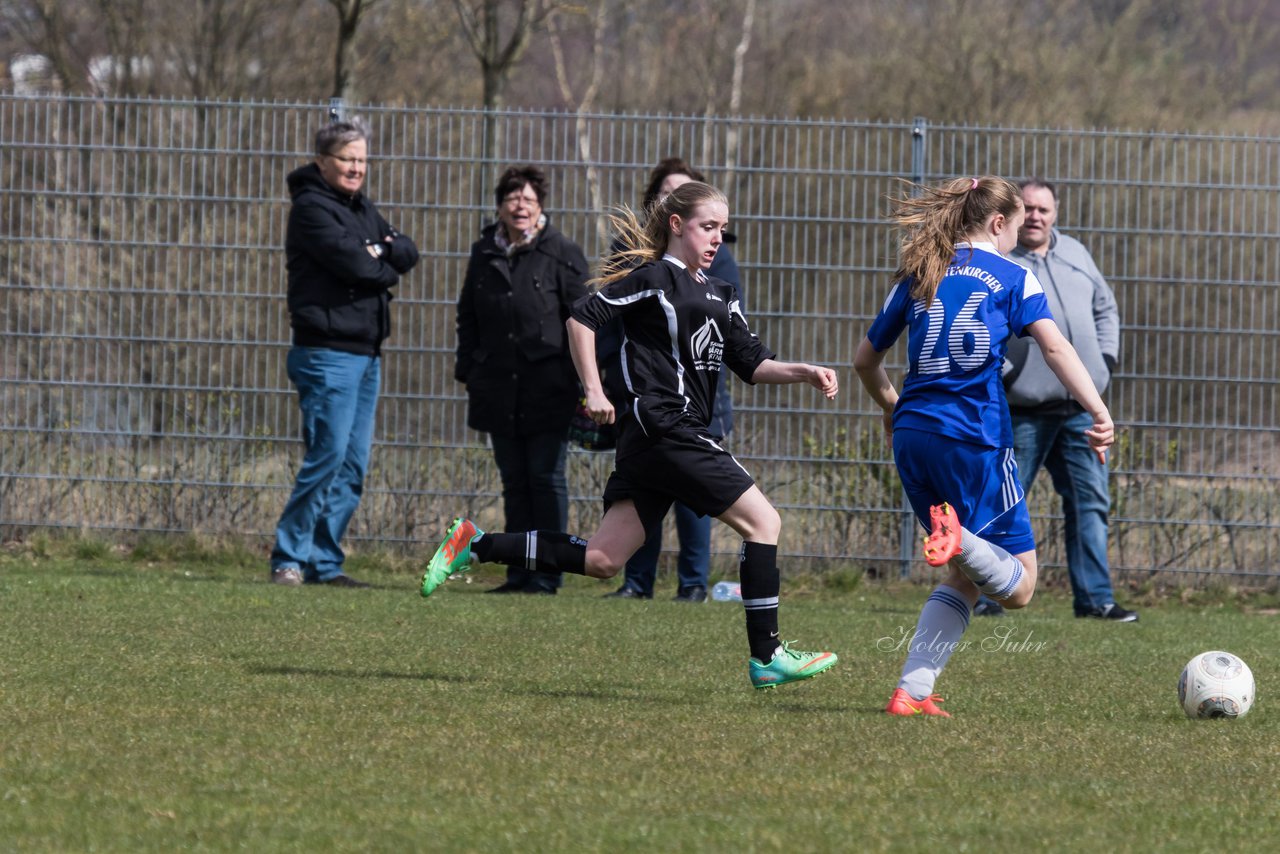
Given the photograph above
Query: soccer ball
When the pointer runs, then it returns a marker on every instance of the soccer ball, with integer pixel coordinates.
(1216, 685)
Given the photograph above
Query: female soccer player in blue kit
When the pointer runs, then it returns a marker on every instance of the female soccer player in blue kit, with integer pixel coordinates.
(958, 298)
(680, 327)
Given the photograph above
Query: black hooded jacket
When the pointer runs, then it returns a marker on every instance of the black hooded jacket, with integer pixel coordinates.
(513, 353)
(339, 293)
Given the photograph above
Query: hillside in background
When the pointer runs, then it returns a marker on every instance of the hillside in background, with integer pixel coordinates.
(1198, 65)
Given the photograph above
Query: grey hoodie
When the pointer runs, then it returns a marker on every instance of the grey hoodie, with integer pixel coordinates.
(1084, 308)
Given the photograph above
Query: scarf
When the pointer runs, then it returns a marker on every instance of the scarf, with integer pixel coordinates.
(526, 239)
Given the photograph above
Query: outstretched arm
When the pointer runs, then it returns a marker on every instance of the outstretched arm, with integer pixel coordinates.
(582, 347)
(773, 372)
(1067, 367)
(875, 379)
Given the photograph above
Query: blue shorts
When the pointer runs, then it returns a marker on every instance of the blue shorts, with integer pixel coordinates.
(981, 483)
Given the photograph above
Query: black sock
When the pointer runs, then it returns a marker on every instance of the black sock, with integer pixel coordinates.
(761, 583)
(551, 551)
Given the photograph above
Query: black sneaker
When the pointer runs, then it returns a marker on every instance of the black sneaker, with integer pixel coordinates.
(345, 581)
(988, 608)
(539, 590)
(1112, 612)
(696, 594)
(627, 592)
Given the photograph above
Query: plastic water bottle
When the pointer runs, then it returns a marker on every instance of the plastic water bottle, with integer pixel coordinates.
(727, 591)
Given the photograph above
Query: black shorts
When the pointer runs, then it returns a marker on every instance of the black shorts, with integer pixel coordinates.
(685, 466)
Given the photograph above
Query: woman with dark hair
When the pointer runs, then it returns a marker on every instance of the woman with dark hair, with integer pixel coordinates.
(513, 357)
(959, 299)
(681, 328)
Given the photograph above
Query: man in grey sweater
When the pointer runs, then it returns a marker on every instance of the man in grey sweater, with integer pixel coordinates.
(1048, 426)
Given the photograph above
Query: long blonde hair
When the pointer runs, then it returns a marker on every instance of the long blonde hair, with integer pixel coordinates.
(648, 240)
(938, 218)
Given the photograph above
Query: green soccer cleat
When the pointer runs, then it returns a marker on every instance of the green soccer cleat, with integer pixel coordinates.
(453, 555)
(788, 665)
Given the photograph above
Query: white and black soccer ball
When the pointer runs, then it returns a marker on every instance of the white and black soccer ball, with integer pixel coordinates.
(1216, 685)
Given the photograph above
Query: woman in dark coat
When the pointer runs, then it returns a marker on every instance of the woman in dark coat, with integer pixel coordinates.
(522, 279)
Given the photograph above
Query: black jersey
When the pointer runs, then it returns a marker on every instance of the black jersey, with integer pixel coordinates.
(677, 332)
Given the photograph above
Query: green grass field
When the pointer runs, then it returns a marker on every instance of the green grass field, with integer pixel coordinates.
(183, 704)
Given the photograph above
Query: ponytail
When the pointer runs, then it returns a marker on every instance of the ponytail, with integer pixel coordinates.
(648, 240)
(938, 218)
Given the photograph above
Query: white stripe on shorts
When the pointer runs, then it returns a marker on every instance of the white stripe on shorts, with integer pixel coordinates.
(716, 445)
(1011, 488)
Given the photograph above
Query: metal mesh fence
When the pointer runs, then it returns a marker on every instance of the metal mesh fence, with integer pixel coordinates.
(142, 380)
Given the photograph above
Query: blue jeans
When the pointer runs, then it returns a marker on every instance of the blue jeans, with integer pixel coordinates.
(1058, 443)
(338, 393)
(535, 493)
(693, 564)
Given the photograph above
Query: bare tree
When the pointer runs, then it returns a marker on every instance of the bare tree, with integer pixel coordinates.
(349, 14)
(413, 52)
(126, 69)
(586, 103)
(735, 94)
(56, 30)
(221, 46)
(482, 23)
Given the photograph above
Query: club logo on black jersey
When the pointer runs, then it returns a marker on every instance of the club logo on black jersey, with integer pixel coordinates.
(707, 346)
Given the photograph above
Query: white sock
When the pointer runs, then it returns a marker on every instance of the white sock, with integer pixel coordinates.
(994, 571)
(943, 619)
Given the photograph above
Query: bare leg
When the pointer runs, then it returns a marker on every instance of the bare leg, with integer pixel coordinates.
(620, 535)
(754, 518)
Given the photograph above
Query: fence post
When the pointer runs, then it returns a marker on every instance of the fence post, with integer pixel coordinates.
(337, 110)
(908, 537)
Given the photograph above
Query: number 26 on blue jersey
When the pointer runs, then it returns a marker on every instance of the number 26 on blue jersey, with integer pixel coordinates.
(963, 339)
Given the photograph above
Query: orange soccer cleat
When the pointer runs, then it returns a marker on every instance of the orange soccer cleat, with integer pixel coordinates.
(943, 543)
(902, 703)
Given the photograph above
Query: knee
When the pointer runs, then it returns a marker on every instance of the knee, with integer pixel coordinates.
(1020, 598)
(600, 565)
(764, 527)
(774, 525)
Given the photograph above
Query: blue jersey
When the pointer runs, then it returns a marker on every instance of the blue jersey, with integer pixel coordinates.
(956, 345)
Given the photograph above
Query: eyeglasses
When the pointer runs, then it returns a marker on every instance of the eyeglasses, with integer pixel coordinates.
(518, 198)
(349, 161)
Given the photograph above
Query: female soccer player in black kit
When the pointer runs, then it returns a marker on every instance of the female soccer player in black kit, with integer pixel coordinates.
(679, 327)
